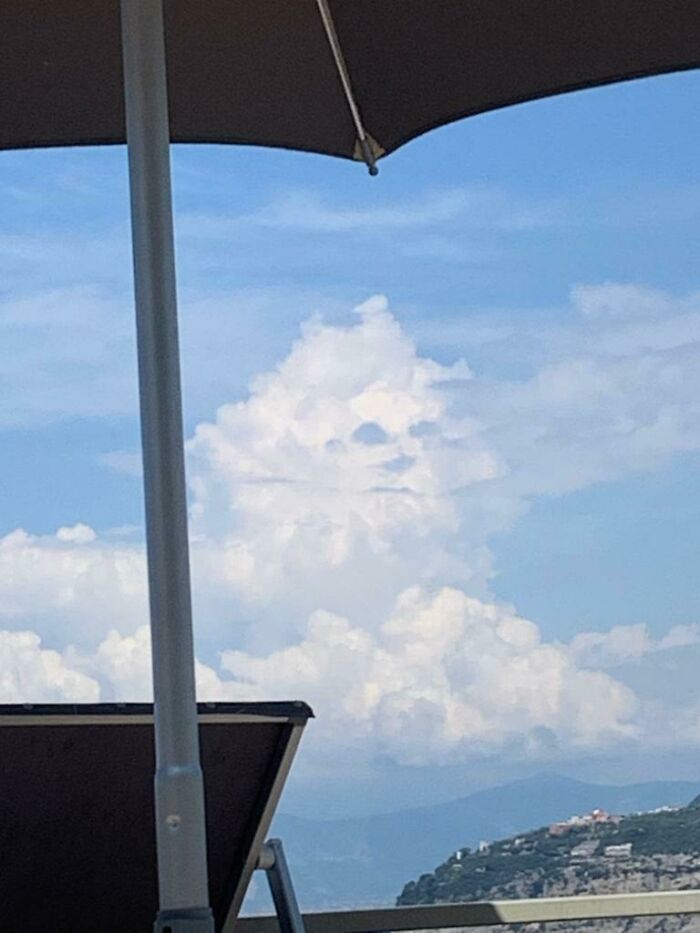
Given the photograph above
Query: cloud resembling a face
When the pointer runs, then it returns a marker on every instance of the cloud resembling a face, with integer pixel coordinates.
(341, 516)
(340, 472)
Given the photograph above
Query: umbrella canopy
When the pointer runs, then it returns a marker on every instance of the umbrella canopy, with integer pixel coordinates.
(264, 71)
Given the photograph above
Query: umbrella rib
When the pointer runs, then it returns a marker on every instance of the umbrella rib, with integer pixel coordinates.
(363, 138)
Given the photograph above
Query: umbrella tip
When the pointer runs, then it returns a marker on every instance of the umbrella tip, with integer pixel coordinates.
(368, 156)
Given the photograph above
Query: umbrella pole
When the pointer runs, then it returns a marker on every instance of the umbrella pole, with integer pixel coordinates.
(179, 786)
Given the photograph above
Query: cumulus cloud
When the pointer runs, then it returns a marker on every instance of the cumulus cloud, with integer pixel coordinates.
(343, 465)
(119, 669)
(341, 513)
(122, 666)
(445, 674)
(32, 674)
(71, 586)
(78, 534)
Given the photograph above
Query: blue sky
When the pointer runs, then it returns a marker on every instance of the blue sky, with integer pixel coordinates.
(553, 247)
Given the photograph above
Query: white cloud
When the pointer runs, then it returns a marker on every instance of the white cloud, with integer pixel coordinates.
(341, 517)
(477, 207)
(119, 669)
(72, 585)
(444, 678)
(445, 675)
(77, 534)
(32, 674)
(122, 665)
(624, 643)
(344, 459)
(613, 390)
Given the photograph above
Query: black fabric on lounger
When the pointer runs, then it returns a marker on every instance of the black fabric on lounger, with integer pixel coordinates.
(77, 846)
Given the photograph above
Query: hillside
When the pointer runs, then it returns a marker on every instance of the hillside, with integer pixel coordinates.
(365, 861)
(597, 854)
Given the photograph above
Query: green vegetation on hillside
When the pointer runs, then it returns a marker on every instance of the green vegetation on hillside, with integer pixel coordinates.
(574, 862)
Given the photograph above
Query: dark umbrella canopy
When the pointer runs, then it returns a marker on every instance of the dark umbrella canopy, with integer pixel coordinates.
(262, 71)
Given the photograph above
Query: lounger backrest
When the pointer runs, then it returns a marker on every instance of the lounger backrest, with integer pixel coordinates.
(77, 843)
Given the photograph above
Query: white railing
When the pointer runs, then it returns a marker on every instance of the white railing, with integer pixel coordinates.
(486, 913)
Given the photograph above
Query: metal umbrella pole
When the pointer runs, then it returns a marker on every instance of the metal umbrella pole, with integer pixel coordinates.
(179, 785)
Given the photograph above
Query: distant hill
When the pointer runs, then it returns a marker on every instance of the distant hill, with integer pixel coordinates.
(366, 861)
(594, 854)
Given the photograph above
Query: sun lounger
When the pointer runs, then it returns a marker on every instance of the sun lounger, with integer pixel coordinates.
(77, 852)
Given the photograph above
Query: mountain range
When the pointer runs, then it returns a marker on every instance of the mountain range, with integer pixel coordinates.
(367, 861)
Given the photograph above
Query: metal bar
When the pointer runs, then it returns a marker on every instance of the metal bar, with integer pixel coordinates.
(179, 785)
(282, 889)
(266, 859)
(263, 828)
(140, 719)
(492, 913)
(363, 138)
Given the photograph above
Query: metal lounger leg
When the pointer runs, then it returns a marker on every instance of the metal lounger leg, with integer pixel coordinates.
(274, 862)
